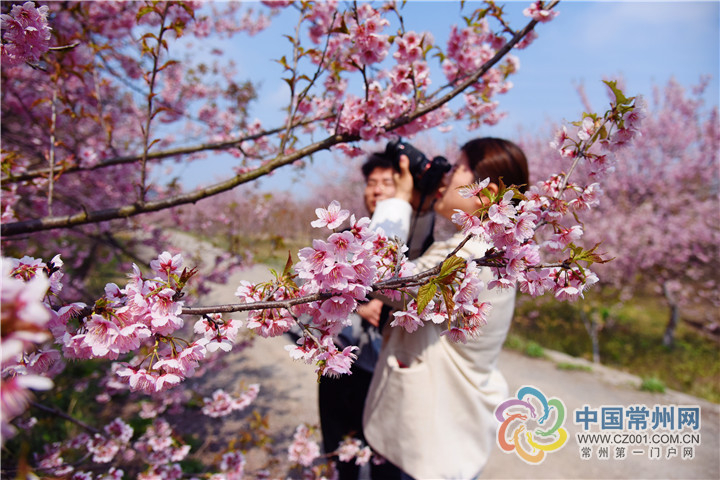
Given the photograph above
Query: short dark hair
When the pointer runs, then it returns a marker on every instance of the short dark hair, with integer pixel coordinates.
(497, 158)
(377, 160)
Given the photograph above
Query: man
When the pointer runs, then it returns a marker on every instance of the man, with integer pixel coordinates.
(341, 400)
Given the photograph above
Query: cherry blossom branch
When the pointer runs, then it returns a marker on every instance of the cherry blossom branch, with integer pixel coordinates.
(580, 155)
(244, 307)
(469, 81)
(390, 284)
(126, 211)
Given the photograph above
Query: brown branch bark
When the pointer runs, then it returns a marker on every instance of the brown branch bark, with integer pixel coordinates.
(126, 211)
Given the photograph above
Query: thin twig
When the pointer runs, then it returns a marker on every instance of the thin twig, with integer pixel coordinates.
(150, 114)
(64, 415)
(51, 154)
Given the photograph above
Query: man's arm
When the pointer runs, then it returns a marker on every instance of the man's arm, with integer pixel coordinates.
(393, 215)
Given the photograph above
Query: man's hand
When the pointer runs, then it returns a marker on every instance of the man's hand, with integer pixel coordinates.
(404, 180)
(371, 311)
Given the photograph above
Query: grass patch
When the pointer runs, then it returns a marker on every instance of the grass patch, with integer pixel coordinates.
(528, 347)
(573, 367)
(652, 384)
(534, 350)
(630, 340)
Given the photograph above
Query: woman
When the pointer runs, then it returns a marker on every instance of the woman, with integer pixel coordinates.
(431, 401)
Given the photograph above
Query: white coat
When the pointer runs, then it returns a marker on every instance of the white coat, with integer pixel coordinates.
(434, 418)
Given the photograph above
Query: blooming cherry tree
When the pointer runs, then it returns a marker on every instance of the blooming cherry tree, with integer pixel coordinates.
(655, 218)
(58, 95)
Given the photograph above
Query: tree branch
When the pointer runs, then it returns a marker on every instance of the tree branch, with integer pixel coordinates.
(126, 211)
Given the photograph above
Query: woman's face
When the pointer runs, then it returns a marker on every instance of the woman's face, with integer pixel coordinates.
(450, 200)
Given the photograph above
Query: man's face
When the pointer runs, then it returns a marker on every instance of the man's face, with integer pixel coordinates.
(380, 185)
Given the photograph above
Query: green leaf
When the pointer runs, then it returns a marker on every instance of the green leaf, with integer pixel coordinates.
(620, 98)
(425, 294)
(447, 294)
(288, 265)
(449, 268)
(579, 254)
(167, 64)
(144, 11)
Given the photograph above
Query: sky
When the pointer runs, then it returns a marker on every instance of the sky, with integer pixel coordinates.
(644, 43)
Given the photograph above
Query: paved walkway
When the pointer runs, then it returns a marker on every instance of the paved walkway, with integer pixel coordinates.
(289, 395)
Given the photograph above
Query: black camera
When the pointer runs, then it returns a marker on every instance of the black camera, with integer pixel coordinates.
(427, 174)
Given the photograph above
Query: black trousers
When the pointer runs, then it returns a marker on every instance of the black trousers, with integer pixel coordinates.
(341, 403)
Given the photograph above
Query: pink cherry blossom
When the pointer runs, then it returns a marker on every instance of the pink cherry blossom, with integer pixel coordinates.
(537, 12)
(455, 334)
(474, 189)
(332, 217)
(232, 465)
(26, 32)
(167, 264)
(336, 362)
(363, 456)
(501, 212)
(303, 450)
(406, 319)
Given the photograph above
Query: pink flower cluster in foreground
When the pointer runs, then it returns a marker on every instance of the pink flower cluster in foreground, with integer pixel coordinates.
(344, 267)
(25, 317)
(26, 34)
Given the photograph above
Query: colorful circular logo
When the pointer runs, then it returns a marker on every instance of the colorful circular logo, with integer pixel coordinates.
(531, 425)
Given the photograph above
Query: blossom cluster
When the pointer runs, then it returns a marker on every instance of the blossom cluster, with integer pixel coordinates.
(305, 452)
(140, 319)
(357, 40)
(112, 443)
(352, 449)
(222, 403)
(159, 448)
(26, 34)
(344, 269)
(468, 49)
(145, 313)
(303, 449)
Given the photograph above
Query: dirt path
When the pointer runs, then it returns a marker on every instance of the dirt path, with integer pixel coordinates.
(288, 395)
